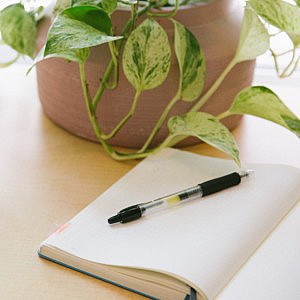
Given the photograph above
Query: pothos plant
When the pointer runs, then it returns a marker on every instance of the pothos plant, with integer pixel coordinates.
(144, 52)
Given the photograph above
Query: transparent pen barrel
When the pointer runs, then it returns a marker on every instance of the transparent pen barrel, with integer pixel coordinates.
(171, 200)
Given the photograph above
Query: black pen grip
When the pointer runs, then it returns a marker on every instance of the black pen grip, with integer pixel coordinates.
(130, 213)
(219, 184)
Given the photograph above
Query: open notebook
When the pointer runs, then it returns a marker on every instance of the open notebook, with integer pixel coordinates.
(201, 244)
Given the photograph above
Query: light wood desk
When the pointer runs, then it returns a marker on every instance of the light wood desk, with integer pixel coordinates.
(48, 175)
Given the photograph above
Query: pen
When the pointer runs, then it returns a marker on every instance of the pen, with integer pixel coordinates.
(203, 189)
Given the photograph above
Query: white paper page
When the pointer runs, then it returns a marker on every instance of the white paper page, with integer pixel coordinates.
(205, 241)
(273, 272)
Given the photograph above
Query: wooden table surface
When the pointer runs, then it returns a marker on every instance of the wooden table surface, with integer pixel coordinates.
(48, 175)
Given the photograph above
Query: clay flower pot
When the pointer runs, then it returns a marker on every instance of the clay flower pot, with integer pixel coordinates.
(216, 25)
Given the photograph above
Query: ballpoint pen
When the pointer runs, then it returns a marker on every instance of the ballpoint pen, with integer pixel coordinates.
(134, 212)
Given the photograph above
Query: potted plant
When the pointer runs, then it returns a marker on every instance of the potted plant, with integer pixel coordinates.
(83, 31)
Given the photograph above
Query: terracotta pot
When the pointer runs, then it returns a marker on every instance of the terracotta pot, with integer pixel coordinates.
(216, 25)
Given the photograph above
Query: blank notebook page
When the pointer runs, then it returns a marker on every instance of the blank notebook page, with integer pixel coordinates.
(204, 241)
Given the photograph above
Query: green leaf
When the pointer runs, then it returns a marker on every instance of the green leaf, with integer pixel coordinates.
(281, 14)
(85, 2)
(254, 38)
(262, 102)
(147, 56)
(278, 13)
(90, 15)
(18, 29)
(10, 62)
(293, 124)
(74, 31)
(68, 33)
(208, 129)
(295, 38)
(108, 5)
(191, 63)
(297, 2)
(61, 5)
(77, 55)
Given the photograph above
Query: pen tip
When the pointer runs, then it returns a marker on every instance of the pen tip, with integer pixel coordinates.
(246, 173)
(114, 219)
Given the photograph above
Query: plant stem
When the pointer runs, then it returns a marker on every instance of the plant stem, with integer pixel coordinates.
(128, 156)
(166, 15)
(224, 115)
(8, 63)
(118, 45)
(125, 119)
(92, 104)
(275, 58)
(282, 53)
(275, 34)
(285, 73)
(166, 143)
(286, 69)
(293, 69)
(214, 87)
(91, 113)
(203, 100)
(115, 67)
(160, 121)
(101, 88)
(161, 3)
(134, 8)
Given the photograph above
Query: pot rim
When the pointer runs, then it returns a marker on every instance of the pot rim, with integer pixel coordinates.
(202, 12)
(181, 7)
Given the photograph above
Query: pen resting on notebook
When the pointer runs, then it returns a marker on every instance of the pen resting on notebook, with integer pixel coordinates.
(134, 212)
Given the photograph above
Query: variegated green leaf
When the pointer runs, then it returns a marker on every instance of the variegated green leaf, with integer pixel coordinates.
(61, 5)
(18, 29)
(128, 2)
(279, 13)
(77, 35)
(181, 2)
(207, 128)
(90, 15)
(78, 55)
(77, 28)
(187, 2)
(254, 38)
(85, 2)
(293, 124)
(146, 57)
(295, 38)
(262, 102)
(108, 5)
(191, 63)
